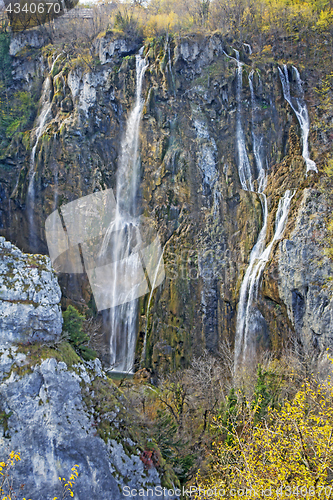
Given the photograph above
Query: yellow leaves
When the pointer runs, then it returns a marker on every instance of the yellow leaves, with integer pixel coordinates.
(68, 485)
(325, 20)
(7, 480)
(161, 22)
(294, 442)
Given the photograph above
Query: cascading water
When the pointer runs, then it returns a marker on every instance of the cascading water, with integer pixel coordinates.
(123, 236)
(299, 107)
(248, 316)
(257, 142)
(245, 175)
(42, 121)
(244, 342)
(244, 167)
(248, 47)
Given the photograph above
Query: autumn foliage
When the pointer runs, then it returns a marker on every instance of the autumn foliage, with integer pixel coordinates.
(286, 454)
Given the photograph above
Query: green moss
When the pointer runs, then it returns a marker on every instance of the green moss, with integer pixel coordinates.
(37, 352)
(4, 422)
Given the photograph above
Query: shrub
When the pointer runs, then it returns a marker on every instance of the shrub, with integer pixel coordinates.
(73, 326)
(290, 450)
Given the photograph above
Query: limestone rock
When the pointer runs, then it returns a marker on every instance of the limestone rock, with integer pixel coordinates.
(49, 423)
(29, 297)
(304, 271)
(108, 47)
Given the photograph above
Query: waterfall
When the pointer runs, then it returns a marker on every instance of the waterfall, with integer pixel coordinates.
(247, 314)
(123, 237)
(246, 291)
(248, 47)
(244, 342)
(299, 107)
(244, 168)
(42, 120)
(257, 142)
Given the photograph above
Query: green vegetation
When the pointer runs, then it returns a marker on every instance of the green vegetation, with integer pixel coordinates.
(63, 351)
(73, 326)
(17, 109)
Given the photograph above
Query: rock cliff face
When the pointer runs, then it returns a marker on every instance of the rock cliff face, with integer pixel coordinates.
(29, 297)
(190, 183)
(304, 273)
(49, 414)
(50, 401)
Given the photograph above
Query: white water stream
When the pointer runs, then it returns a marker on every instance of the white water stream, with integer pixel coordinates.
(42, 122)
(123, 238)
(244, 167)
(245, 339)
(300, 109)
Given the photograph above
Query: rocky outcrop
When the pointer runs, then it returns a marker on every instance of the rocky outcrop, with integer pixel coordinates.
(52, 406)
(48, 415)
(29, 297)
(19, 41)
(107, 47)
(304, 282)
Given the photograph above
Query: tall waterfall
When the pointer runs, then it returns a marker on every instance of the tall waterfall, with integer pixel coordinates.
(123, 236)
(244, 167)
(257, 141)
(247, 314)
(42, 121)
(244, 341)
(299, 107)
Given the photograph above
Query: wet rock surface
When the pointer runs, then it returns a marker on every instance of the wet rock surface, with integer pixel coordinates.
(304, 273)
